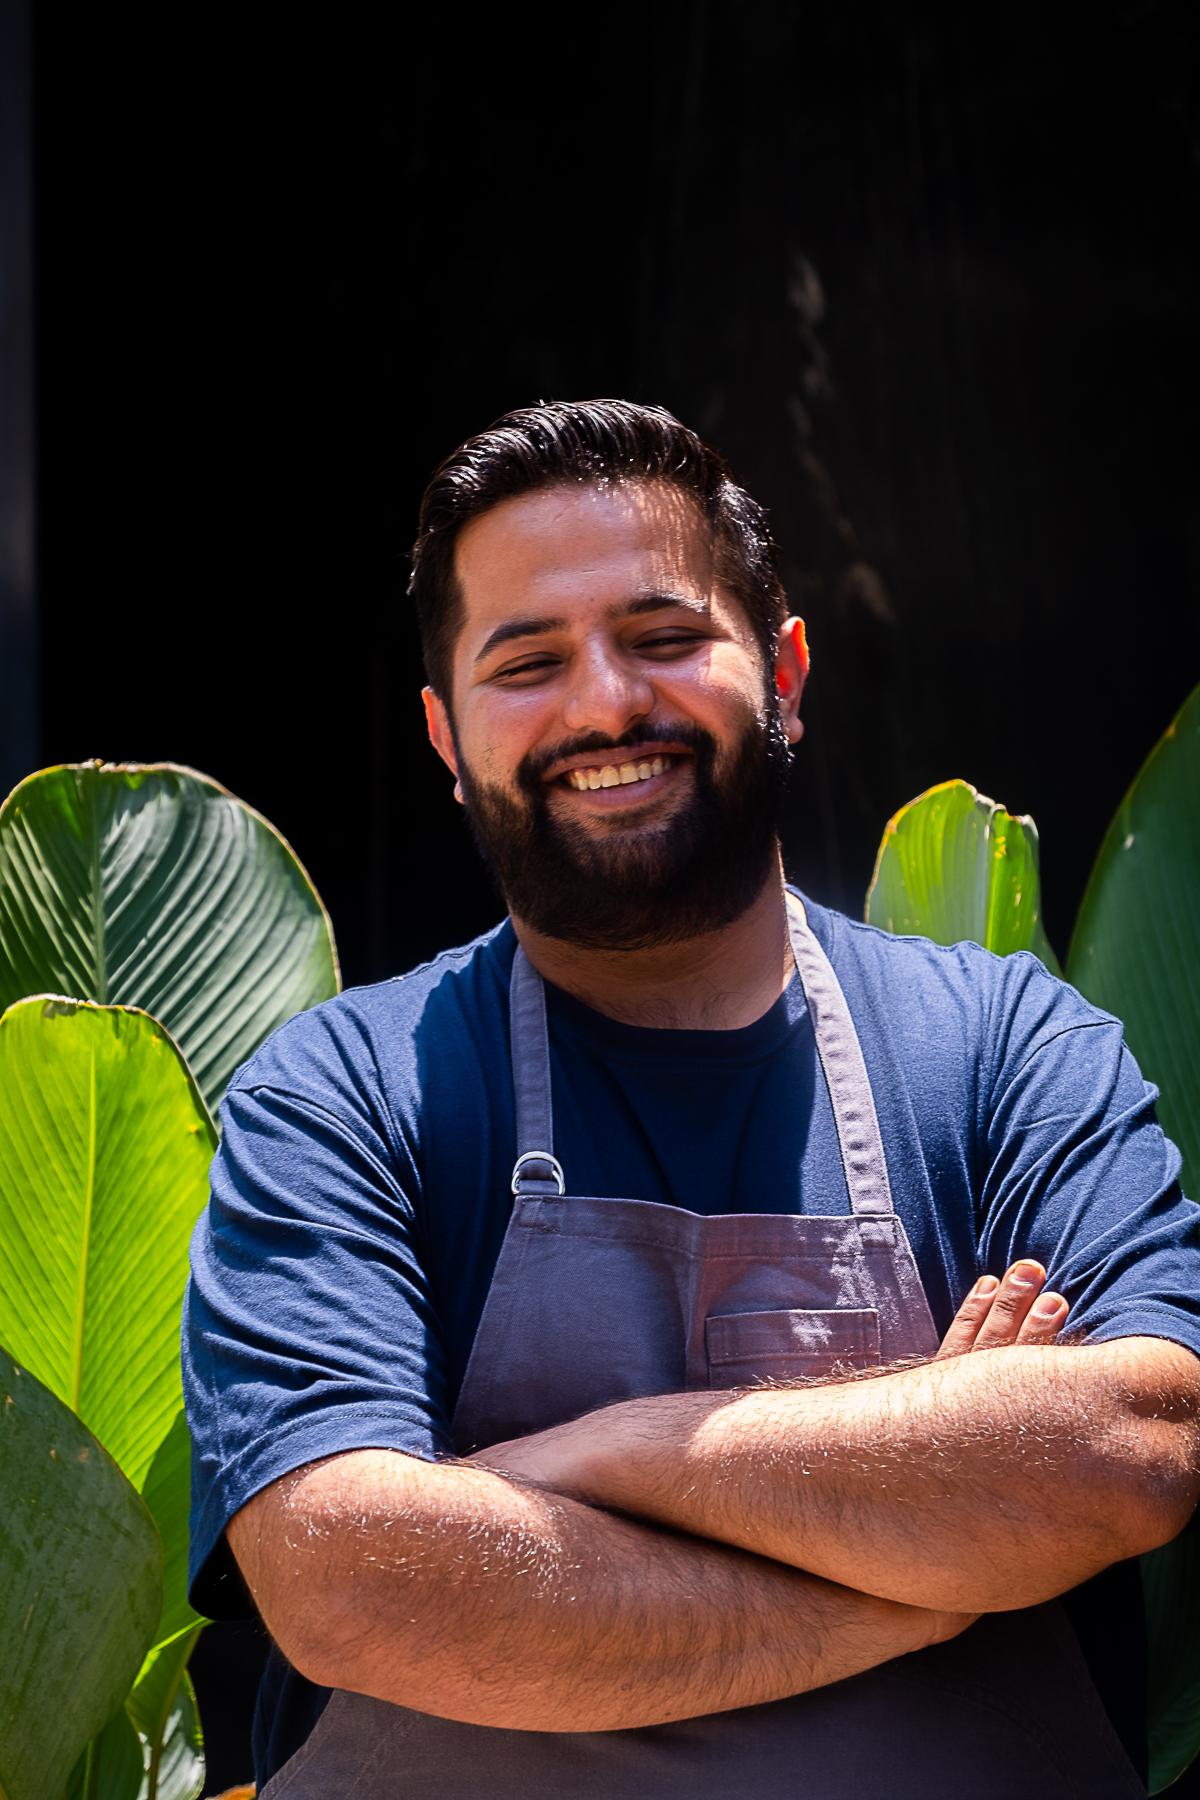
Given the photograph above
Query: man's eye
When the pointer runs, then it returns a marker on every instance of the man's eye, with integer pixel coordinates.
(536, 665)
(671, 641)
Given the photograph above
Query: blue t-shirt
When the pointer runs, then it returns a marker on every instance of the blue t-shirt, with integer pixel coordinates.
(361, 1190)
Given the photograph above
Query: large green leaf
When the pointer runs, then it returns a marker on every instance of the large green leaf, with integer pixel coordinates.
(953, 865)
(1171, 1592)
(167, 1492)
(157, 1725)
(153, 1749)
(175, 1765)
(113, 1766)
(104, 1151)
(123, 1763)
(1136, 952)
(1136, 946)
(80, 1590)
(163, 1708)
(151, 886)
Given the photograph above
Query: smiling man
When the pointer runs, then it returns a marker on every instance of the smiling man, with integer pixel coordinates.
(617, 727)
(595, 1376)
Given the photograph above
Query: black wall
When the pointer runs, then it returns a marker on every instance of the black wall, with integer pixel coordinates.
(930, 279)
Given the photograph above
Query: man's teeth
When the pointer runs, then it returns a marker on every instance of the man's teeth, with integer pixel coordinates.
(615, 774)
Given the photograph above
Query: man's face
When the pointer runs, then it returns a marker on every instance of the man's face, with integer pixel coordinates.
(620, 748)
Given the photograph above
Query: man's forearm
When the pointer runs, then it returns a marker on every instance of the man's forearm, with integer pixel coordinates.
(980, 1483)
(456, 1592)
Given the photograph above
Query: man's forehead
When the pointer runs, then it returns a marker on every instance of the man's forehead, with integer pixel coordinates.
(539, 544)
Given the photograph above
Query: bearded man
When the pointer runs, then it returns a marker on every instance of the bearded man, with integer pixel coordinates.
(576, 1349)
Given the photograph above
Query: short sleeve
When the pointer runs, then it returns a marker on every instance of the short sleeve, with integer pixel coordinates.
(308, 1327)
(1077, 1171)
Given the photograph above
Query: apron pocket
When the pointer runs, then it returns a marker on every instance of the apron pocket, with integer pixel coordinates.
(749, 1349)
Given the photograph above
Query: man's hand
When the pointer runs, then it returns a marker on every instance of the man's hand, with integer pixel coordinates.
(996, 1313)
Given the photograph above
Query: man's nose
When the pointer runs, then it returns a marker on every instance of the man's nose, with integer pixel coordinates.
(608, 693)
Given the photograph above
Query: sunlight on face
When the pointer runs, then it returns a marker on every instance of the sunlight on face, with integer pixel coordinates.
(614, 732)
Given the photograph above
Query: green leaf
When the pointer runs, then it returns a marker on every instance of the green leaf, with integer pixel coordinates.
(178, 1772)
(166, 1491)
(153, 1695)
(953, 865)
(104, 1152)
(153, 1749)
(112, 1767)
(1170, 1591)
(151, 886)
(81, 1589)
(1136, 946)
(1136, 952)
(163, 1707)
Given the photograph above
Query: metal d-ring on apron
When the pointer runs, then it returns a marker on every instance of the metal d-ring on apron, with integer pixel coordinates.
(599, 1299)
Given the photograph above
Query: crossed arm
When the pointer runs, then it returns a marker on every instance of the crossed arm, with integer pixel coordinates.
(829, 1529)
(979, 1485)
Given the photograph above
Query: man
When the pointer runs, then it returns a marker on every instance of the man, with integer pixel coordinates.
(675, 1138)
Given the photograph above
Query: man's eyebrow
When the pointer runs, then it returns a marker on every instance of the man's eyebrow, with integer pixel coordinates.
(538, 626)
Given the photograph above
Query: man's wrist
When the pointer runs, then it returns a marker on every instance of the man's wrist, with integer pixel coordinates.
(637, 1456)
(607, 1458)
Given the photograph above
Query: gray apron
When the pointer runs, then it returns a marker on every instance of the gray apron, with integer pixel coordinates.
(597, 1300)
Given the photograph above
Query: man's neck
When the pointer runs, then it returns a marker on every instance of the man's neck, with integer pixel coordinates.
(716, 982)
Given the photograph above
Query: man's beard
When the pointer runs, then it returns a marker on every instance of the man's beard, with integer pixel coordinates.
(638, 889)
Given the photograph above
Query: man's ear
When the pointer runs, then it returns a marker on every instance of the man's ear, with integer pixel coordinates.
(791, 672)
(437, 723)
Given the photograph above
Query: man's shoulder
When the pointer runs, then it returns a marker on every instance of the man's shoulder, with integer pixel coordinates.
(903, 978)
(856, 947)
(379, 1031)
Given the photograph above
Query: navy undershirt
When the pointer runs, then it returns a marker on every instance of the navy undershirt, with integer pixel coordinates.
(361, 1192)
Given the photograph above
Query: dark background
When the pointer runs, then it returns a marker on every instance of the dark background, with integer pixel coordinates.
(928, 277)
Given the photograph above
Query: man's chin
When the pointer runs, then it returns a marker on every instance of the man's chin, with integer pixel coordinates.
(644, 843)
(613, 877)
(636, 891)
(603, 874)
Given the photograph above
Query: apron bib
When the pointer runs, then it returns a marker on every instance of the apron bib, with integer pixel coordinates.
(595, 1300)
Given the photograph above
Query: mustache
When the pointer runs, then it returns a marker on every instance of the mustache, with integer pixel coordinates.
(532, 768)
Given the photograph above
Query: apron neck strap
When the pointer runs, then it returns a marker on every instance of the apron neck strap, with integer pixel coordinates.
(845, 1071)
(536, 1170)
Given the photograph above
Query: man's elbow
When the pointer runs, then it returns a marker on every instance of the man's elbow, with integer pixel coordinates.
(1159, 1470)
(319, 1632)
(414, 1648)
(308, 1650)
(293, 1611)
(1159, 1502)
(329, 1659)
(450, 1680)
(289, 1562)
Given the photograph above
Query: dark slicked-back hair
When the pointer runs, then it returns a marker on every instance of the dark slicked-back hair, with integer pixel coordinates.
(562, 443)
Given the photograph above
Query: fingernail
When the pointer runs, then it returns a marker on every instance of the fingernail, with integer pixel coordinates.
(1047, 1306)
(1025, 1275)
(987, 1284)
